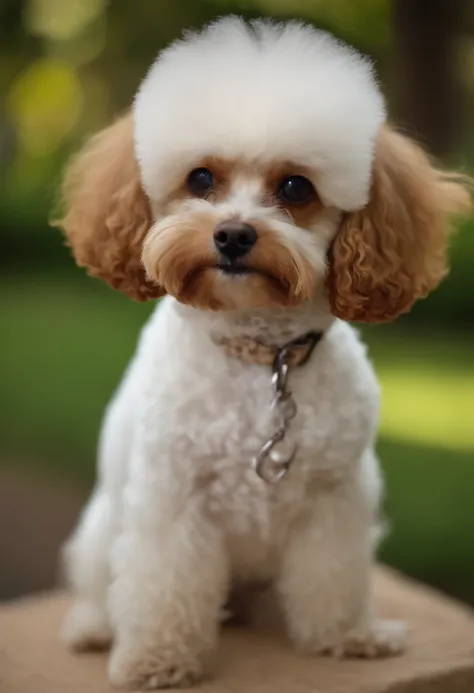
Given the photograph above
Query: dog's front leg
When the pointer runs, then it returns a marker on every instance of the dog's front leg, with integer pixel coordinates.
(324, 585)
(171, 576)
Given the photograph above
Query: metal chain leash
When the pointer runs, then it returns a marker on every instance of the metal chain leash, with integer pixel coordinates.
(274, 458)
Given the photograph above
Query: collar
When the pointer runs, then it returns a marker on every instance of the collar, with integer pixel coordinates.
(249, 350)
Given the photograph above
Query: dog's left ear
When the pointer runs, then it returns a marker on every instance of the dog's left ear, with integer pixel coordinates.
(107, 214)
(393, 251)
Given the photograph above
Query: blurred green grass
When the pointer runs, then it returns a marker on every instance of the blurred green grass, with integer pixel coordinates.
(66, 340)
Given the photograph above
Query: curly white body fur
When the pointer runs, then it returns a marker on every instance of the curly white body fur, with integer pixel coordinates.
(179, 514)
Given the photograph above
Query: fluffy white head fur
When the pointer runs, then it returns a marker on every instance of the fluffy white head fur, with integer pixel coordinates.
(261, 91)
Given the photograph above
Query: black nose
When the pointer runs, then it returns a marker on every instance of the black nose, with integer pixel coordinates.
(234, 238)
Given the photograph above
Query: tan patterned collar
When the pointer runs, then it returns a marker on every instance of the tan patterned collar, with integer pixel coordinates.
(249, 350)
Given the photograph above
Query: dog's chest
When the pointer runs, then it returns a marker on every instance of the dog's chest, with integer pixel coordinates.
(209, 415)
(221, 418)
(215, 421)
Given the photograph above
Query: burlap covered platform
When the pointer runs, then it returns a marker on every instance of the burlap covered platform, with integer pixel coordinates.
(440, 657)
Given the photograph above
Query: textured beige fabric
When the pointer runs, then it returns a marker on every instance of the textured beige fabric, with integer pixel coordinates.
(440, 657)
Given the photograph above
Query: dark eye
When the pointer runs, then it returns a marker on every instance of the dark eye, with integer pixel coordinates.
(200, 182)
(296, 190)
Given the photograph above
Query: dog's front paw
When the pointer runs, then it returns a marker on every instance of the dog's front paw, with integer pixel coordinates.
(383, 639)
(146, 671)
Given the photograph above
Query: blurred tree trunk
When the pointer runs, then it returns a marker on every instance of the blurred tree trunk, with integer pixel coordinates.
(428, 75)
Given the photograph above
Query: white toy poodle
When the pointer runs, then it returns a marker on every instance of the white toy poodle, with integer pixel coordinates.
(257, 185)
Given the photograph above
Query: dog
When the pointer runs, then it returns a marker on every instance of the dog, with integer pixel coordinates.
(257, 186)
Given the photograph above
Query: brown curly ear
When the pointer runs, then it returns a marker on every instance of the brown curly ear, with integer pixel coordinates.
(107, 214)
(393, 251)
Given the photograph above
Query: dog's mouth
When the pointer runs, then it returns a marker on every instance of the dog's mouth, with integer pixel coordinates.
(235, 269)
(238, 269)
(198, 287)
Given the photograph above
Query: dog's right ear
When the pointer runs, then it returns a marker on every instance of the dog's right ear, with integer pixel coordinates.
(106, 212)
